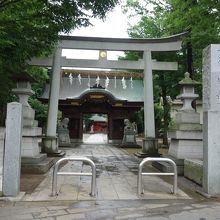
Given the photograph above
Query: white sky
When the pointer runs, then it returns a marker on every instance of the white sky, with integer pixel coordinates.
(114, 26)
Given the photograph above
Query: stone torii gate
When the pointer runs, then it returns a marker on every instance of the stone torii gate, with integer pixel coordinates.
(147, 46)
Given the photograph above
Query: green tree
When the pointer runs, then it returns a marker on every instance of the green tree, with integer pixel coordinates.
(149, 26)
(201, 19)
(30, 28)
(41, 109)
(160, 18)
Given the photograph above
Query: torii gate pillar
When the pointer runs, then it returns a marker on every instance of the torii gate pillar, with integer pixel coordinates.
(50, 142)
(149, 142)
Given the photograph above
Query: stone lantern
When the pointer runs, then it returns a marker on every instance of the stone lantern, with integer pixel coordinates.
(32, 160)
(23, 91)
(23, 88)
(187, 116)
(186, 134)
(187, 92)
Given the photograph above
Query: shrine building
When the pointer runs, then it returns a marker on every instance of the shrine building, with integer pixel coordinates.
(114, 93)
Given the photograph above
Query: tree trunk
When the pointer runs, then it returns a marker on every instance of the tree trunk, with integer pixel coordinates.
(190, 68)
(166, 111)
(2, 115)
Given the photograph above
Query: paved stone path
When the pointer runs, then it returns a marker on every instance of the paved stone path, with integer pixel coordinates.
(112, 210)
(95, 138)
(116, 196)
(116, 178)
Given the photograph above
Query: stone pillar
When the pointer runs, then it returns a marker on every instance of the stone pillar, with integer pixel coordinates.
(50, 142)
(12, 154)
(149, 142)
(211, 119)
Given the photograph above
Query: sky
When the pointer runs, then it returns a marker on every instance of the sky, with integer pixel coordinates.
(114, 26)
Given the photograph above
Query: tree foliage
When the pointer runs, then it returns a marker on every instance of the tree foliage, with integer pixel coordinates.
(199, 17)
(30, 28)
(160, 18)
(41, 109)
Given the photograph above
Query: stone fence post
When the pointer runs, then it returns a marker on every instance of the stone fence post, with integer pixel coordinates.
(211, 119)
(12, 154)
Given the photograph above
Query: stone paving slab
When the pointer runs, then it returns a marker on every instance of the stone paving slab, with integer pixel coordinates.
(116, 178)
(114, 210)
(19, 197)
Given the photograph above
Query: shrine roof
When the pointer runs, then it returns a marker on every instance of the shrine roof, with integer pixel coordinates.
(77, 90)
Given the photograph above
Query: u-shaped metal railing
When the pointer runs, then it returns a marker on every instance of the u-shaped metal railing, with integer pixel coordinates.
(83, 159)
(140, 189)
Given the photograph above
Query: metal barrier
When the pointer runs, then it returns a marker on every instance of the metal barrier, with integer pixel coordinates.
(150, 159)
(84, 159)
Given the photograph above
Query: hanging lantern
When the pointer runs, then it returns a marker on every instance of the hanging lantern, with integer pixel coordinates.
(80, 79)
(123, 81)
(106, 82)
(71, 78)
